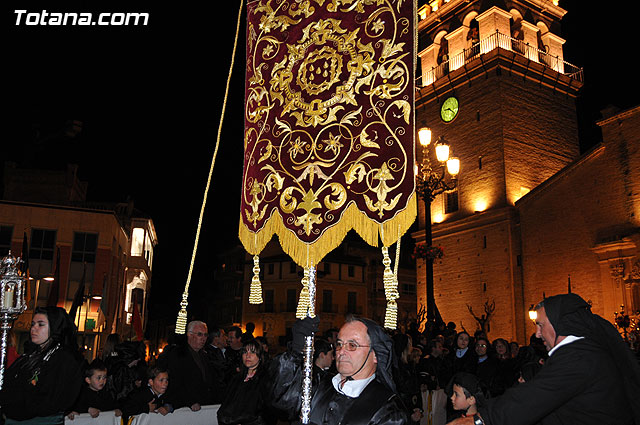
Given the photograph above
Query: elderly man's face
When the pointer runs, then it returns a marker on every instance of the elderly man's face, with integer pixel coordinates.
(544, 329)
(348, 362)
(197, 337)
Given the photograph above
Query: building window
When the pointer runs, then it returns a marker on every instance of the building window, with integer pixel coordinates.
(141, 245)
(351, 302)
(43, 243)
(268, 300)
(270, 268)
(291, 299)
(408, 289)
(136, 290)
(137, 242)
(635, 297)
(293, 268)
(5, 239)
(351, 271)
(451, 202)
(327, 268)
(84, 248)
(327, 301)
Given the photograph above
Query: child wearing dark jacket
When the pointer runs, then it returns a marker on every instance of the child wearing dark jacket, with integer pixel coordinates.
(94, 397)
(148, 398)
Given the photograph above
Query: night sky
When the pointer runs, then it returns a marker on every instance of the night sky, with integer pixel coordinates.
(149, 99)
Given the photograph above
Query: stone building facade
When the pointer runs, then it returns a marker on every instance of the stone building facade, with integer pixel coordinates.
(111, 245)
(512, 231)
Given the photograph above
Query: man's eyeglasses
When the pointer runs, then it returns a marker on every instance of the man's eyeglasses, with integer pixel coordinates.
(481, 345)
(349, 345)
(200, 334)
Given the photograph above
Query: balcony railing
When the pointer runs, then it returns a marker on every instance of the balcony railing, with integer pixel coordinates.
(499, 40)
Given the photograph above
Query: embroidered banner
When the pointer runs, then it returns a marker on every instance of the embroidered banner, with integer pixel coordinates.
(329, 124)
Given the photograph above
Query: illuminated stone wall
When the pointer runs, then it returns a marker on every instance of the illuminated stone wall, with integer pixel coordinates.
(585, 223)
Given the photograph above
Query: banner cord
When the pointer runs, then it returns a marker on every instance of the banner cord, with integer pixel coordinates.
(182, 314)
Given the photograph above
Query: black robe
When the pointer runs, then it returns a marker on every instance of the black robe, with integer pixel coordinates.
(579, 384)
(375, 405)
(53, 391)
(466, 363)
(244, 401)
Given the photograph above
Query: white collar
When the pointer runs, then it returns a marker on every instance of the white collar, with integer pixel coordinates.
(567, 340)
(352, 388)
(461, 352)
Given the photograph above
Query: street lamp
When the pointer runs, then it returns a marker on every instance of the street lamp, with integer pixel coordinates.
(431, 182)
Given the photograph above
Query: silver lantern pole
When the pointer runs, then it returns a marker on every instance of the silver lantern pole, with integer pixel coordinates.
(307, 377)
(12, 302)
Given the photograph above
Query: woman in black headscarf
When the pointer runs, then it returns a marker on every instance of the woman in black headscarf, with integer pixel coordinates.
(589, 378)
(571, 315)
(463, 358)
(44, 382)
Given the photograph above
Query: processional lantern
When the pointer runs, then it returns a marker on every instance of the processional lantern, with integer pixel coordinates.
(12, 302)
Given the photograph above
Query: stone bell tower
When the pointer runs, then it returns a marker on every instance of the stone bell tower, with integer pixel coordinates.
(494, 83)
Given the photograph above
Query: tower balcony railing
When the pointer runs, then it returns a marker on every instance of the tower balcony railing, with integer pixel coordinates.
(499, 40)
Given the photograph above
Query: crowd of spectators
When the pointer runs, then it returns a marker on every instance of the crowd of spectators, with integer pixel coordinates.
(51, 381)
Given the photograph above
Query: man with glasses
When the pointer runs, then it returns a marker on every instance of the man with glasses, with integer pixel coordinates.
(363, 390)
(487, 369)
(191, 379)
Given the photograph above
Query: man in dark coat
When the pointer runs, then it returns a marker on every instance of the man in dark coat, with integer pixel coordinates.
(215, 350)
(362, 392)
(233, 352)
(192, 381)
(589, 378)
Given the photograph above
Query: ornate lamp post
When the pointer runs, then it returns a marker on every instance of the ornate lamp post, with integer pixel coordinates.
(12, 302)
(431, 182)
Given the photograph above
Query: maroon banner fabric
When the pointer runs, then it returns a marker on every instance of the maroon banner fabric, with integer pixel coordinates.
(329, 124)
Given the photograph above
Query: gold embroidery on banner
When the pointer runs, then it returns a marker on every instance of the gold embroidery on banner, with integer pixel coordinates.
(310, 133)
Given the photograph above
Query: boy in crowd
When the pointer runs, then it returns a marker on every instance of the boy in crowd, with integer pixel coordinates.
(149, 398)
(94, 398)
(466, 394)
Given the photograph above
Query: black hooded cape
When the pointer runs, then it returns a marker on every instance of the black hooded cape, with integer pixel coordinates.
(594, 380)
(377, 404)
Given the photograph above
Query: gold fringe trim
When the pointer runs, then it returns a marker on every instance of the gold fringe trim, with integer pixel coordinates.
(352, 218)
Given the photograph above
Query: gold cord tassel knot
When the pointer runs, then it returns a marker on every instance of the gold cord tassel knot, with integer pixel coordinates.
(303, 302)
(255, 291)
(390, 291)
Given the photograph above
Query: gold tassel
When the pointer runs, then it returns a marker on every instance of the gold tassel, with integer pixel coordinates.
(303, 302)
(181, 321)
(255, 291)
(390, 291)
